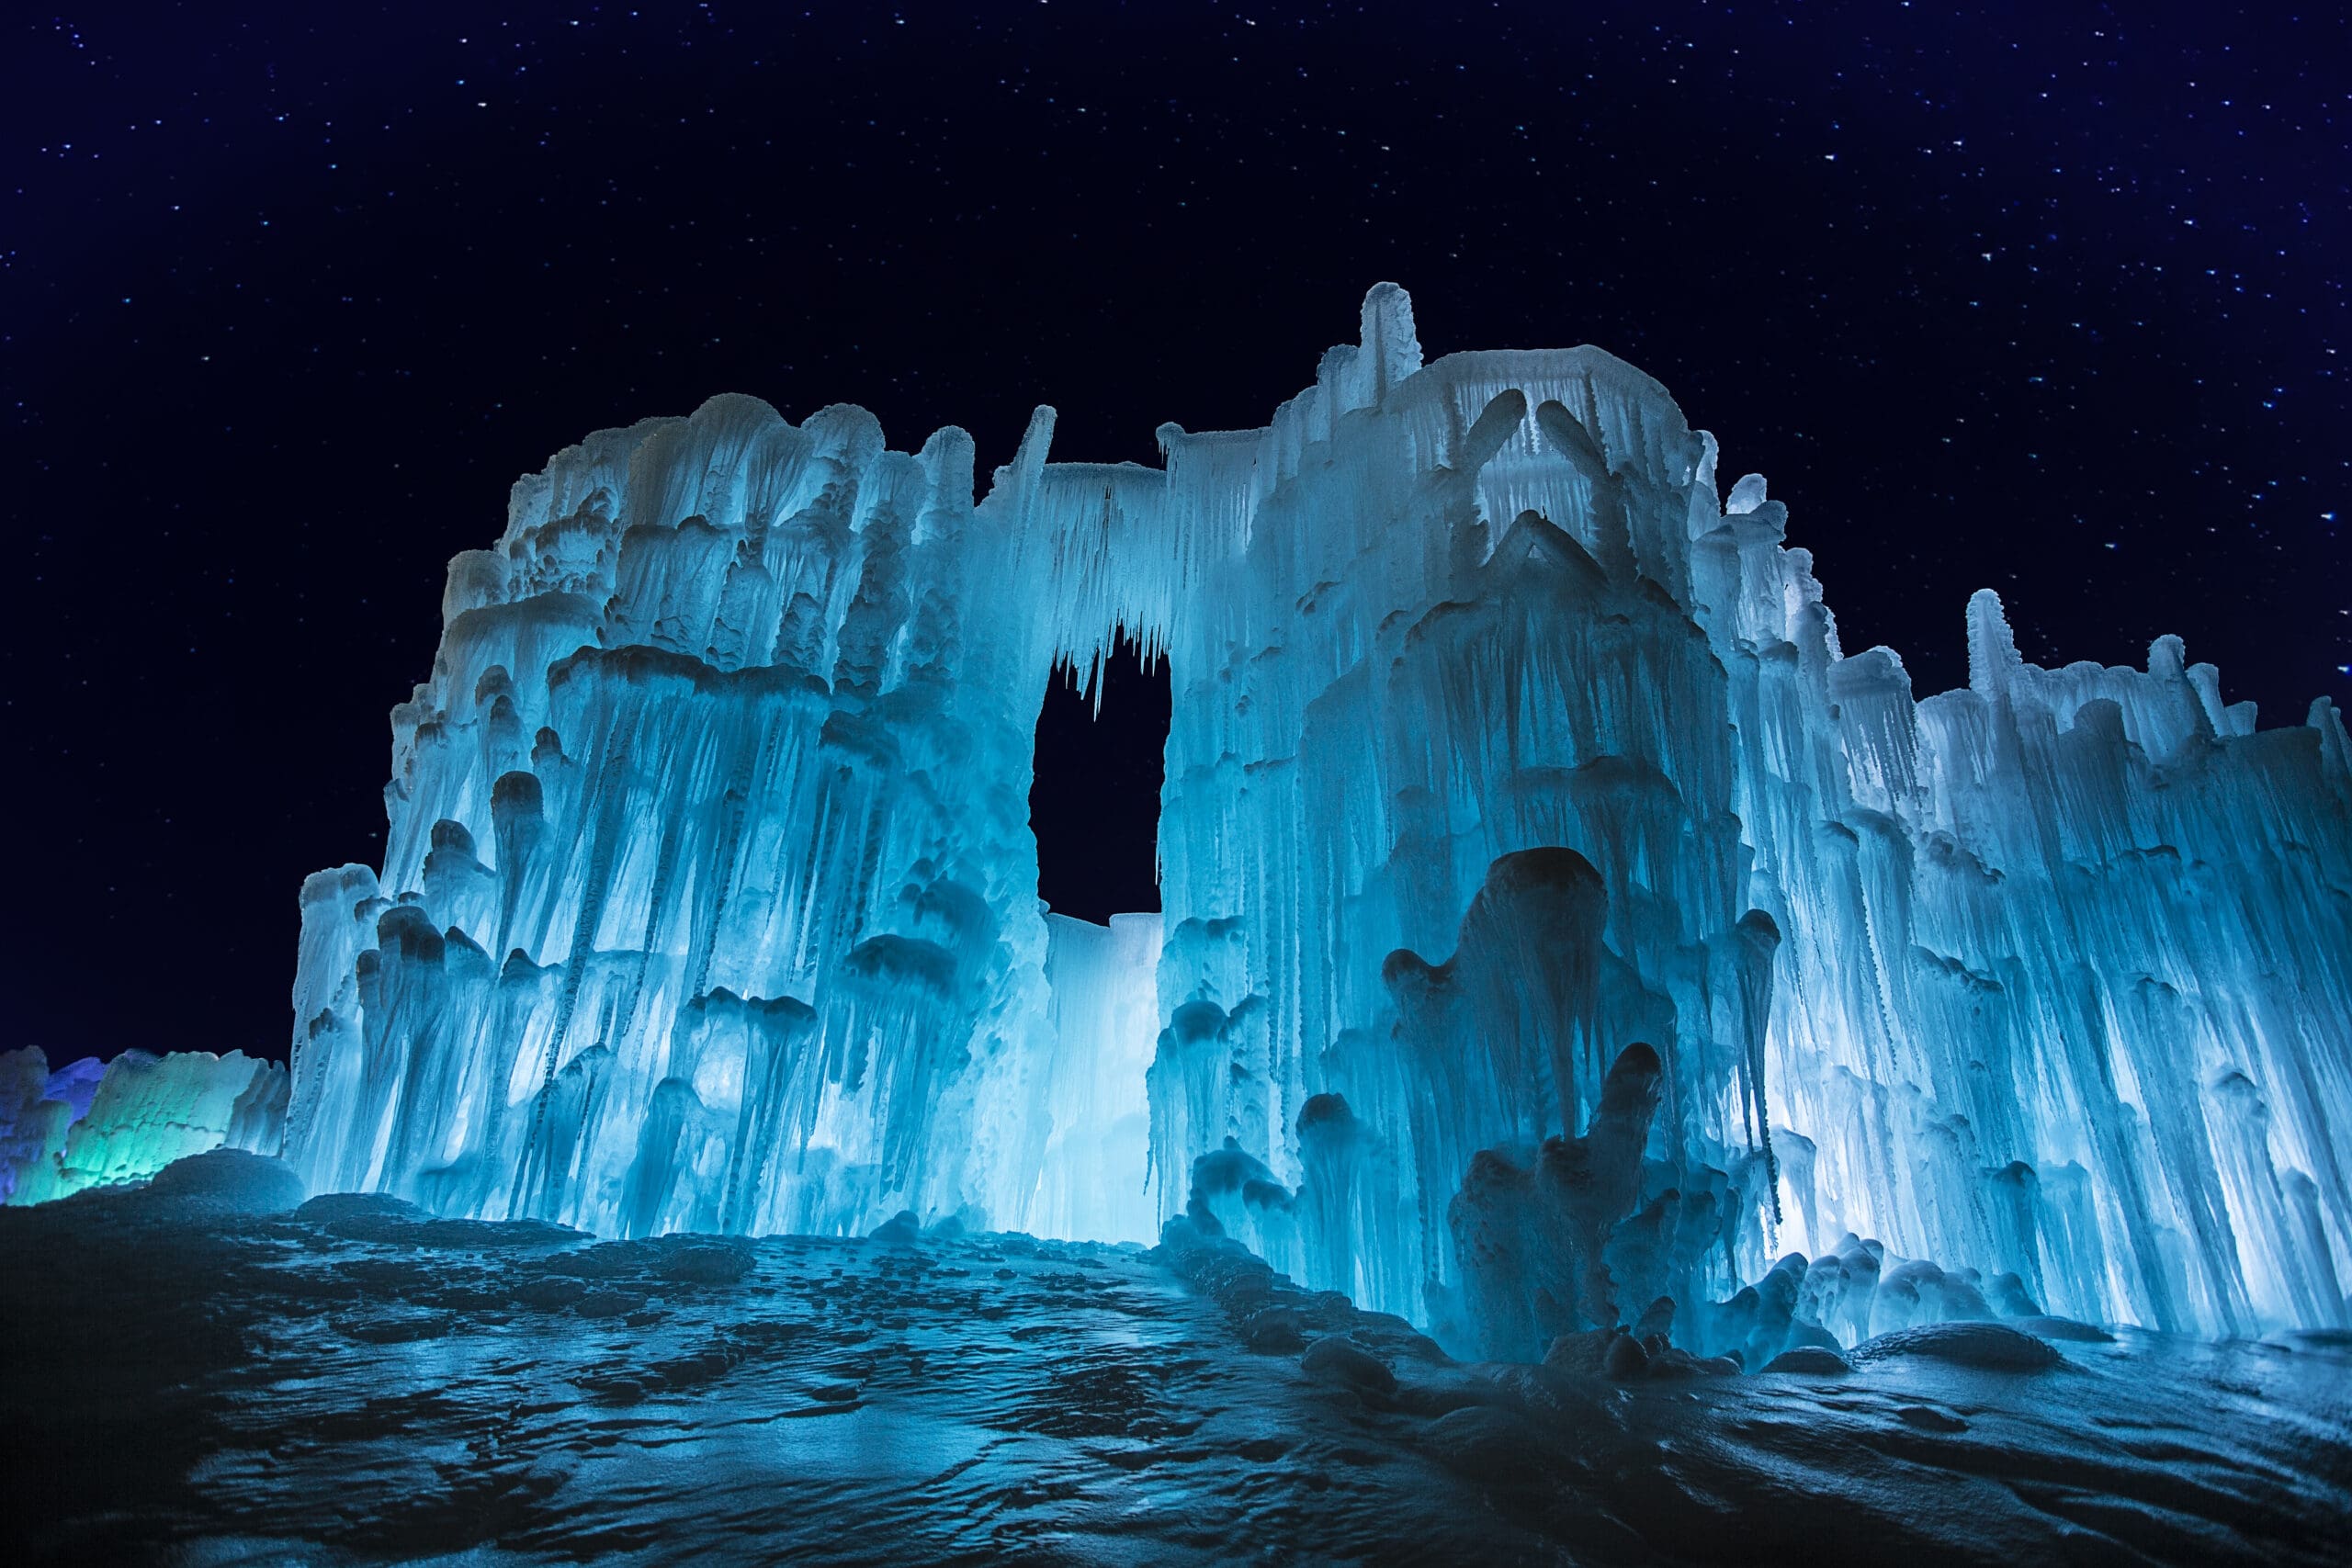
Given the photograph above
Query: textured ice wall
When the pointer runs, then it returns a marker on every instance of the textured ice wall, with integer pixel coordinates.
(1095, 1179)
(93, 1124)
(1502, 744)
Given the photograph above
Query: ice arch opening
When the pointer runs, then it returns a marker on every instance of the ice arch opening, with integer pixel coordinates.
(1094, 809)
(1095, 785)
(710, 899)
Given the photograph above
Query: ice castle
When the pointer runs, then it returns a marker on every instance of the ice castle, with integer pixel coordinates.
(1555, 917)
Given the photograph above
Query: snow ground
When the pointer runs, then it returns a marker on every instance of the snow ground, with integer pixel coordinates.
(200, 1374)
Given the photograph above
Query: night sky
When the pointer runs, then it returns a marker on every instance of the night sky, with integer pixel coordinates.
(2045, 298)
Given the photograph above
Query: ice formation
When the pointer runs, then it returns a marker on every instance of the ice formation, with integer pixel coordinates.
(93, 1124)
(1555, 917)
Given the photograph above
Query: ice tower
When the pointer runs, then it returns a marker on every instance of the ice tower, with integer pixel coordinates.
(1555, 915)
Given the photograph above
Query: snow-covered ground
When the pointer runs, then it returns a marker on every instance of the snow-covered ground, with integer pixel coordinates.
(199, 1372)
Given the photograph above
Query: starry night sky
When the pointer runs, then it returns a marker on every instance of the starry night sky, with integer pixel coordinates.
(2045, 298)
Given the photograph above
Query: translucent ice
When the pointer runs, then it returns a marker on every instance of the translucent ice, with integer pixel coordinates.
(1504, 753)
(92, 1124)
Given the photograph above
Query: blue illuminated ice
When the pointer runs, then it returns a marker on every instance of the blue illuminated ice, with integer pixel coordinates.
(1560, 930)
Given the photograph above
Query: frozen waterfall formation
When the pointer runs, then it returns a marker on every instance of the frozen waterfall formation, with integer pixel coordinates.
(1556, 919)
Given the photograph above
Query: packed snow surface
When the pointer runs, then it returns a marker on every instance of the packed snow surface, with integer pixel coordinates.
(221, 1376)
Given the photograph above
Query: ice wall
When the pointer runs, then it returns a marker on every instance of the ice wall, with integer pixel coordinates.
(1503, 745)
(1095, 1177)
(95, 1124)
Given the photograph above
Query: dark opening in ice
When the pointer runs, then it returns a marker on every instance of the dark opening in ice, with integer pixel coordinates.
(1094, 801)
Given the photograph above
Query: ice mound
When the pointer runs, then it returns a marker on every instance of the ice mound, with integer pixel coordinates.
(231, 1180)
(1990, 1346)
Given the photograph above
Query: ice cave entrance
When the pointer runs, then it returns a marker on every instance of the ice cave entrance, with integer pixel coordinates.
(1094, 807)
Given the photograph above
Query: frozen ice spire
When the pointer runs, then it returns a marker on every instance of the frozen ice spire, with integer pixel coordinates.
(1391, 351)
(1992, 646)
